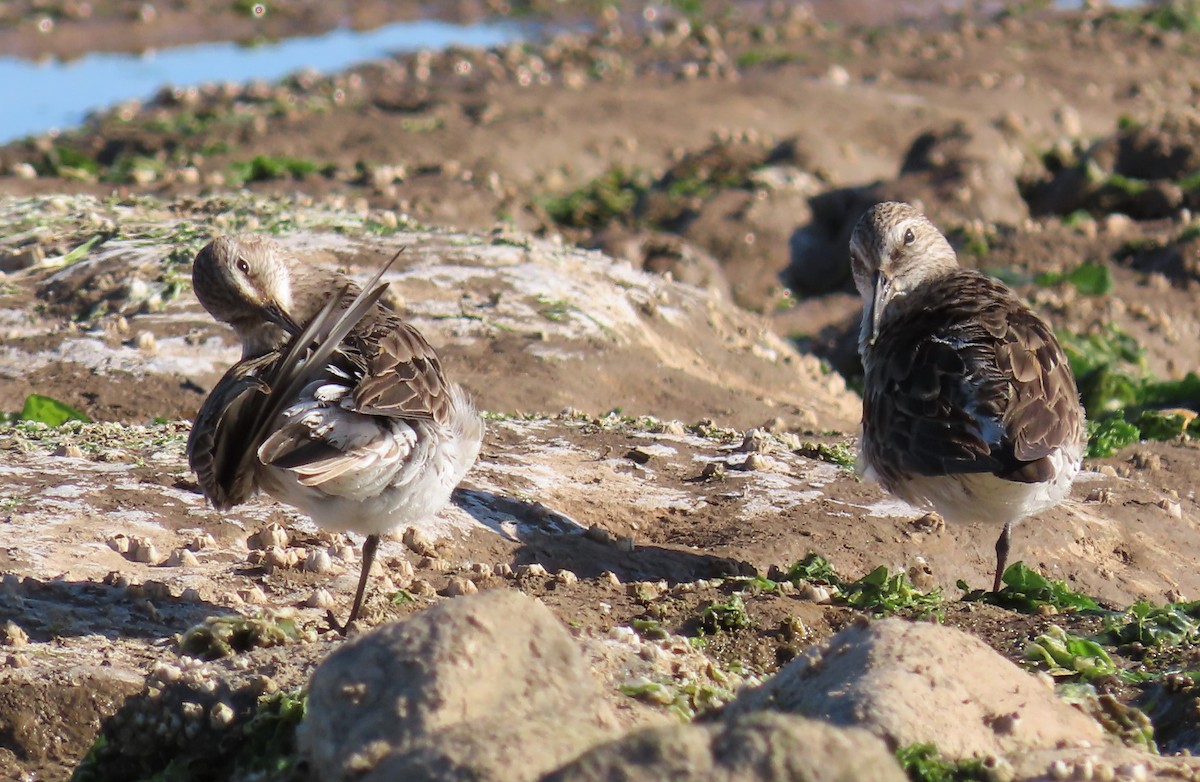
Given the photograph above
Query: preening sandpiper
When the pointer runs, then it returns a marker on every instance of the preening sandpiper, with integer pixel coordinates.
(969, 404)
(337, 408)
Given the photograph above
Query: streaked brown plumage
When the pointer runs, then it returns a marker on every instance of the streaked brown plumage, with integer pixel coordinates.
(337, 407)
(969, 404)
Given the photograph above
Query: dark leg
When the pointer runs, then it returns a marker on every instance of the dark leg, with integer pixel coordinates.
(1002, 554)
(368, 556)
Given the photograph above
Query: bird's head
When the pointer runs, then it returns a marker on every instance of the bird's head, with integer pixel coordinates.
(893, 249)
(245, 281)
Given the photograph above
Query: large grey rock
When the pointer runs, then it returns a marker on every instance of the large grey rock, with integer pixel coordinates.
(912, 683)
(485, 687)
(756, 748)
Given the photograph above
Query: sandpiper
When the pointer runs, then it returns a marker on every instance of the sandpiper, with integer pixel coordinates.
(969, 404)
(337, 408)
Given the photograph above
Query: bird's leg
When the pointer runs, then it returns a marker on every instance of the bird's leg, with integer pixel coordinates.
(1002, 554)
(368, 557)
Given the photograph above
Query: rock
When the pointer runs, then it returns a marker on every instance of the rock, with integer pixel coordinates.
(484, 687)
(664, 253)
(912, 683)
(752, 748)
(957, 171)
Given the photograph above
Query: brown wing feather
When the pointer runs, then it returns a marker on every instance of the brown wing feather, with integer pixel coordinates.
(221, 430)
(402, 377)
(966, 379)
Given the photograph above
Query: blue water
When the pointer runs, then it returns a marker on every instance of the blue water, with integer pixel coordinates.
(39, 97)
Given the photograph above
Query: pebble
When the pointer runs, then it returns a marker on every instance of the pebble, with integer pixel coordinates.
(611, 578)
(119, 543)
(566, 577)
(481, 569)
(504, 570)
(17, 660)
(533, 570)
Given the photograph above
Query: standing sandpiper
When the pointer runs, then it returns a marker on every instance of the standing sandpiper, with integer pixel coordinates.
(338, 407)
(969, 404)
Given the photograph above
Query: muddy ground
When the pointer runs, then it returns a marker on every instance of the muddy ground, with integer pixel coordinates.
(726, 150)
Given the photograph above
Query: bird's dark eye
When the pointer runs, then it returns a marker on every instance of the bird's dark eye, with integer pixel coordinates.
(909, 236)
(242, 266)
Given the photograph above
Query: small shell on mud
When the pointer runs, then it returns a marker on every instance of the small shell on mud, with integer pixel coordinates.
(165, 673)
(12, 634)
(146, 342)
(70, 450)
(320, 598)
(1173, 508)
(181, 557)
(281, 558)
(201, 542)
(1135, 772)
(755, 441)
(221, 716)
(755, 462)
(434, 564)
(421, 588)
(268, 537)
(599, 534)
(460, 586)
(264, 685)
(318, 561)
(157, 590)
(815, 592)
(419, 542)
(673, 427)
(253, 595)
(143, 550)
